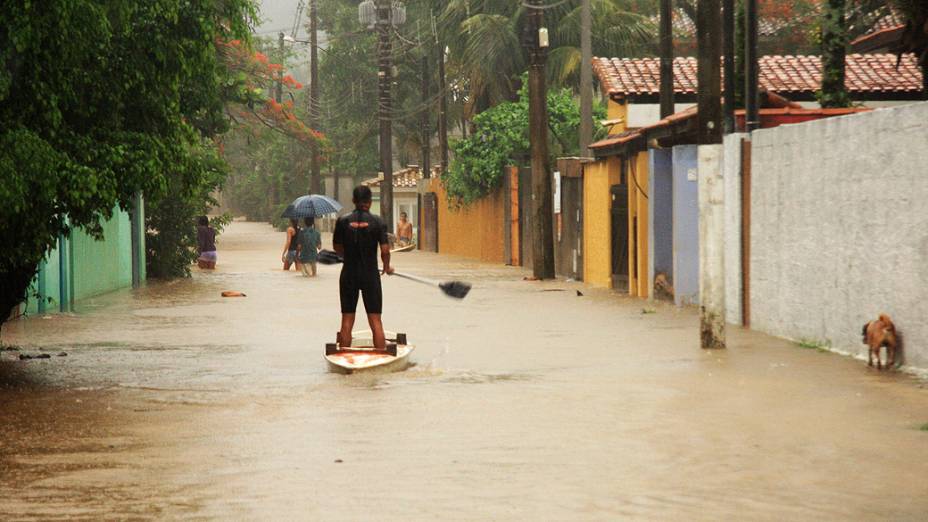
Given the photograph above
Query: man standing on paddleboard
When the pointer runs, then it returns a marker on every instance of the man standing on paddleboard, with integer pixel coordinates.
(358, 236)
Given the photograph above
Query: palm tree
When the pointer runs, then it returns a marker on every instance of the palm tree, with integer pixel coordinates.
(616, 31)
(485, 42)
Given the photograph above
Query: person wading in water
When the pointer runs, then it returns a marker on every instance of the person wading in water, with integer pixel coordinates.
(357, 238)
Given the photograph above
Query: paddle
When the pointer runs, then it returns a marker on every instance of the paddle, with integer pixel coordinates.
(455, 289)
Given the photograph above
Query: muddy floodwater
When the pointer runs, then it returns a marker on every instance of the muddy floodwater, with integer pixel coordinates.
(527, 402)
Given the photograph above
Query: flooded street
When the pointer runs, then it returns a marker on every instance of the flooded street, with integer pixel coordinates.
(527, 401)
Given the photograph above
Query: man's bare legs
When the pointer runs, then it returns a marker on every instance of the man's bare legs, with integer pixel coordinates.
(374, 320)
(344, 335)
(376, 324)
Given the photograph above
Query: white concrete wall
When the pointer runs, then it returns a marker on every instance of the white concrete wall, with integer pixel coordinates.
(840, 228)
(731, 172)
(641, 114)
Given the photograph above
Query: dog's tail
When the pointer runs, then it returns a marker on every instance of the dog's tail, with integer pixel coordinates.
(864, 331)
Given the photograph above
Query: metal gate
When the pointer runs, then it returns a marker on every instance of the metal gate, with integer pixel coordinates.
(525, 216)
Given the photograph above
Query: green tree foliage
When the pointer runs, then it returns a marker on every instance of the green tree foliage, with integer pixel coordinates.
(99, 100)
(190, 183)
(348, 76)
(269, 161)
(501, 139)
(834, 49)
(270, 169)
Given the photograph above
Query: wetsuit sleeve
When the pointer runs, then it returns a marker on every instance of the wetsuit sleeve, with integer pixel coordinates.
(338, 237)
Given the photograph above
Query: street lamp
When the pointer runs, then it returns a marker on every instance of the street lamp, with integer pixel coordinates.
(381, 15)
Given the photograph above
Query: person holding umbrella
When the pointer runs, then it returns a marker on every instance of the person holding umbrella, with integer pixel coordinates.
(303, 207)
(358, 237)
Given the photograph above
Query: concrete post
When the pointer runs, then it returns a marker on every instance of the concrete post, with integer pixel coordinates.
(137, 228)
(711, 247)
(41, 290)
(64, 287)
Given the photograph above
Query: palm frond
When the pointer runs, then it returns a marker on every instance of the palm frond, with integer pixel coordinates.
(564, 65)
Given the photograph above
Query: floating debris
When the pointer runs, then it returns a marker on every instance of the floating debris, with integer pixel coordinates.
(26, 357)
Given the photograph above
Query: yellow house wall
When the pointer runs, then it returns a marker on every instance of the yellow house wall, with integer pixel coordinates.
(474, 231)
(617, 110)
(638, 208)
(598, 176)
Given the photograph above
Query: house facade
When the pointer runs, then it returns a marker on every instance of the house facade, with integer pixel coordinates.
(647, 174)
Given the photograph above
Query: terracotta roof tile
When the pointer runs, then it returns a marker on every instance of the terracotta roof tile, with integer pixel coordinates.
(866, 73)
(890, 21)
(405, 178)
(685, 27)
(615, 139)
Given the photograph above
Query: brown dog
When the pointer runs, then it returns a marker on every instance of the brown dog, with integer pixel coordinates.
(877, 334)
(662, 287)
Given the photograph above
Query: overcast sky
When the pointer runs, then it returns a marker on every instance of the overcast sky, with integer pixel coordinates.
(277, 16)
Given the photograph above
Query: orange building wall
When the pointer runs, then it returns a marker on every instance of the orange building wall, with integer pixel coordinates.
(474, 231)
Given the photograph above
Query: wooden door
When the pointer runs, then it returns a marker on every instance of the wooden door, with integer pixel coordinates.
(619, 221)
(569, 254)
(428, 223)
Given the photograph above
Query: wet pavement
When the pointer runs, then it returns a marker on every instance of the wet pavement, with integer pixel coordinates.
(527, 402)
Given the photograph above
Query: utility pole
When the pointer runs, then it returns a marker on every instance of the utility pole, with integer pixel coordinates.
(666, 50)
(709, 73)
(314, 114)
(586, 78)
(278, 95)
(709, 169)
(834, 50)
(442, 108)
(751, 102)
(728, 116)
(385, 76)
(424, 120)
(542, 206)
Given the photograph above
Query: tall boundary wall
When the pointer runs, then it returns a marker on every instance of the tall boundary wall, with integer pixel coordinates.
(731, 174)
(839, 229)
(92, 267)
(474, 231)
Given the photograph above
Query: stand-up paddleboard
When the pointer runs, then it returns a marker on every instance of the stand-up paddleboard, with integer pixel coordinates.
(361, 356)
(406, 248)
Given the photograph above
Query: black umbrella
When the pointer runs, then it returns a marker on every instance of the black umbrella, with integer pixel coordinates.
(311, 206)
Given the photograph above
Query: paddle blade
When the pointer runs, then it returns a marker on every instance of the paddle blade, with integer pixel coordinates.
(455, 289)
(328, 257)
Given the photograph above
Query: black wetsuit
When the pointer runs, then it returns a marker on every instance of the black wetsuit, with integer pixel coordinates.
(361, 234)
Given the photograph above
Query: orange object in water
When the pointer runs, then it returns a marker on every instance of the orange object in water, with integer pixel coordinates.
(233, 293)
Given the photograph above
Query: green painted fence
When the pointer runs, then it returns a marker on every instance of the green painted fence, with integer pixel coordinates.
(89, 267)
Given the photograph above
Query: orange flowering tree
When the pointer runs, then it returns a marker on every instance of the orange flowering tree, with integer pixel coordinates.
(252, 105)
(268, 149)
